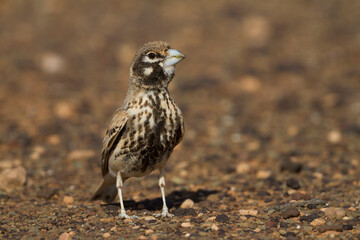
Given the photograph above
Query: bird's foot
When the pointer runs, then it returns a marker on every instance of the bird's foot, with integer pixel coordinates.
(165, 213)
(123, 215)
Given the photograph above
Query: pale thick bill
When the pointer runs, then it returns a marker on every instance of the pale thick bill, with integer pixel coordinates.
(174, 56)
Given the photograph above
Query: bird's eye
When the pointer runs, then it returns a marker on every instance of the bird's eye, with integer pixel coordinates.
(151, 55)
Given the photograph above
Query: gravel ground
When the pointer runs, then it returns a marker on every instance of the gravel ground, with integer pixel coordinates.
(270, 96)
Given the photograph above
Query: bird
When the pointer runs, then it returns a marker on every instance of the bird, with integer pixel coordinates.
(146, 128)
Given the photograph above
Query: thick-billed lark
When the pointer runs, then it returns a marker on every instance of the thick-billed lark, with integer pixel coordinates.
(147, 126)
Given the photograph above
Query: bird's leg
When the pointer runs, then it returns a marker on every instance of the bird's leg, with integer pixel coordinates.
(119, 186)
(165, 211)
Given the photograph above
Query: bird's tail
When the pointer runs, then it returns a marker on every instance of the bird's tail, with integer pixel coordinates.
(106, 191)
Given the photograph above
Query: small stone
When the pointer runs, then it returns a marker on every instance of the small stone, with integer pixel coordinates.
(348, 227)
(51, 62)
(106, 220)
(81, 154)
(5, 164)
(129, 220)
(262, 174)
(249, 84)
(290, 213)
(113, 229)
(334, 136)
(311, 206)
(309, 218)
(186, 224)
(188, 203)
(293, 183)
(12, 179)
(251, 212)
(270, 224)
(68, 200)
(142, 237)
(184, 212)
(53, 139)
(211, 219)
(106, 235)
(149, 218)
(214, 227)
(65, 236)
(317, 222)
(149, 231)
(332, 227)
(288, 165)
(222, 218)
(352, 209)
(300, 196)
(242, 168)
(334, 212)
(64, 110)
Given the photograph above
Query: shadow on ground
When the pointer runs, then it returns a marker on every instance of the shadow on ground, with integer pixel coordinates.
(173, 200)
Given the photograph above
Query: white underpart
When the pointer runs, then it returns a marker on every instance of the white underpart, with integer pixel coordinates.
(148, 71)
(169, 70)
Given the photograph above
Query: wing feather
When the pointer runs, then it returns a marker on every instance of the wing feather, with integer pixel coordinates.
(112, 137)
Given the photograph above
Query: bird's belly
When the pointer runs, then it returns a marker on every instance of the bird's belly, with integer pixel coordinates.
(147, 142)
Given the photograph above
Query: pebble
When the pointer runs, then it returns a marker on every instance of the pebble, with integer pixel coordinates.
(251, 212)
(149, 231)
(334, 212)
(334, 136)
(65, 236)
(214, 227)
(348, 227)
(106, 220)
(5, 164)
(300, 196)
(310, 218)
(12, 179)
(332, 227)
(263, 174)
(106, 235)
(288, 165)
(271, 224)
(242, 168)
(249, 84)
(68, 200)
(188, 203)
(81, 154)
(64, 110)
(142, 237)
(293, 183)
(51, 62)
(317, 222)
(149, 218)
(290, 213)
(186, 224)
(211, 218)
(222, 218)
(256, 30)
(184, 212)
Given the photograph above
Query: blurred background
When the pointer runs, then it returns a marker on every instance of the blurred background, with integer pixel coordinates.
(263, 82)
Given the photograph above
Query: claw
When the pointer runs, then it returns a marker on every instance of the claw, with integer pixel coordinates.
(165, 213)
(123, 215)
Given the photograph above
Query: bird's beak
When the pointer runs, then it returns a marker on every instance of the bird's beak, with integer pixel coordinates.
(173, 57)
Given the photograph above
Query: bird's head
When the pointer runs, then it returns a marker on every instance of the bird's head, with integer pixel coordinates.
(154, 65)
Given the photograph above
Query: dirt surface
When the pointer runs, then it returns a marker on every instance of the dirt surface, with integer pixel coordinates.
(270, 96)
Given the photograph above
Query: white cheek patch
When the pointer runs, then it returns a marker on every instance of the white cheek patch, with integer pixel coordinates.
(148, 71)
(169, 70)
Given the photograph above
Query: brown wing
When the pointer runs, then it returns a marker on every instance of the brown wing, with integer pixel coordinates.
(112, 137)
